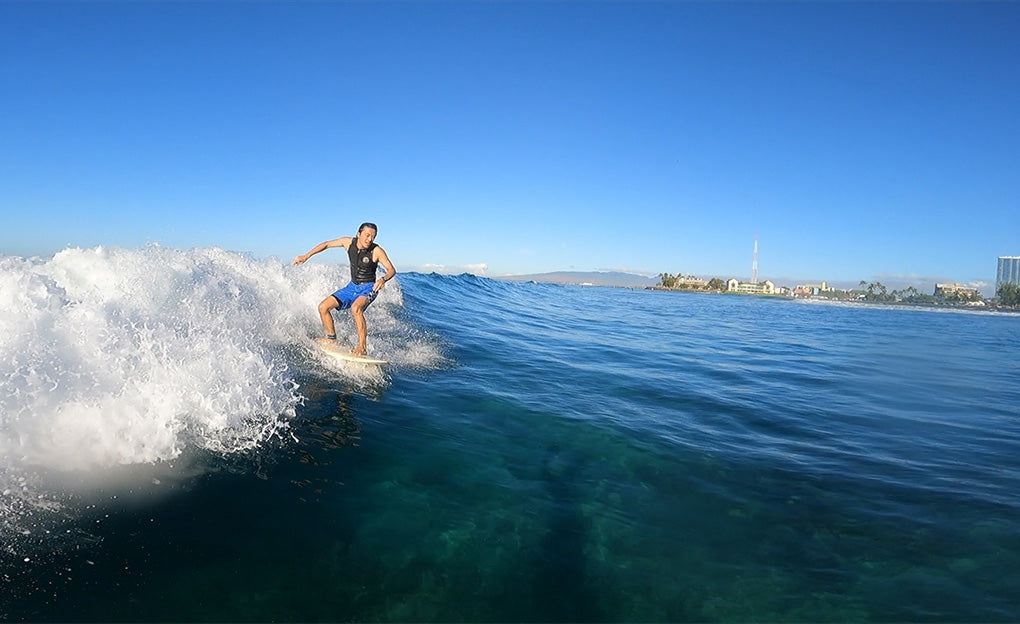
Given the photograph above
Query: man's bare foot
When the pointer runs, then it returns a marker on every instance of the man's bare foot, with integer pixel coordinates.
(326, 340)
(359, 351)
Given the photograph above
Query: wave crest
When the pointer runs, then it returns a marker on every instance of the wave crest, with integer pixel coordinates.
(121, 356)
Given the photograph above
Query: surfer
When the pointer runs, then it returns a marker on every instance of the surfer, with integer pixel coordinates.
(365, 257)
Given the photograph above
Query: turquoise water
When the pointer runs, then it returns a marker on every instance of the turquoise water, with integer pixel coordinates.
(535, 453)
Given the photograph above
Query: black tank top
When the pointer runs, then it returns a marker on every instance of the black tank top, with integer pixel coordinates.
(362, 266)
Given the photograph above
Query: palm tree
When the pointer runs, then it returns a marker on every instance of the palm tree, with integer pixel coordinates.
(1009, 294)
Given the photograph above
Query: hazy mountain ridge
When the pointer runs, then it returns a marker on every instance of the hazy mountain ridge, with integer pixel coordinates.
(595, 278)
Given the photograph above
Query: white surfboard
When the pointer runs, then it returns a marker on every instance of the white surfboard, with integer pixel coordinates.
(333, 350)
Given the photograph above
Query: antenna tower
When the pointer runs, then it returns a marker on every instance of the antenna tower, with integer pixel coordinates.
(754, 263)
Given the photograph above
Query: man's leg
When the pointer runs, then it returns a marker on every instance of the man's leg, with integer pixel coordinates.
(325, 313)
(358, 312)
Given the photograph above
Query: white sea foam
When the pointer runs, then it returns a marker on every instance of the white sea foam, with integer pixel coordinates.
(117, 357)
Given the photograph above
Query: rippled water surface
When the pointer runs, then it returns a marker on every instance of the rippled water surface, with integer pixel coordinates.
(533, 453)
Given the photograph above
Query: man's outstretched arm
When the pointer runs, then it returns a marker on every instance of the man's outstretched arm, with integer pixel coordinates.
(343, 241)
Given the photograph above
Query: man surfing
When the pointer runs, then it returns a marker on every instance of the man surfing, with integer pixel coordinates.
(365, 257)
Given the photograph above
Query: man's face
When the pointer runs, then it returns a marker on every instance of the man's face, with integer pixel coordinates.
(365, 237)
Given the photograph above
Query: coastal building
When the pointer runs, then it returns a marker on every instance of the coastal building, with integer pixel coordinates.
(681, 281)
(944, 291)
(807, 290)
(750, 288)
(1008, 271)
(689, 281)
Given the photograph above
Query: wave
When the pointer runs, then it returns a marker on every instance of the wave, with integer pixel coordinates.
(124, 357)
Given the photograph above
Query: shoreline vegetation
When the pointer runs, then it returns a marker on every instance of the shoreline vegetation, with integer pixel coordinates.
(1007, 297)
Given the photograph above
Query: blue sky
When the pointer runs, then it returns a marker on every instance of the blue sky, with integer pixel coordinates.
(857, 140)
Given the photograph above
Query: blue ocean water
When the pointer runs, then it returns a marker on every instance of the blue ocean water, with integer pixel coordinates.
(174, 450)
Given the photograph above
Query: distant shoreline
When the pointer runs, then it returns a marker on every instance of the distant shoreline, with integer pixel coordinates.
(913, 305)
(855, 302)
(620, 279)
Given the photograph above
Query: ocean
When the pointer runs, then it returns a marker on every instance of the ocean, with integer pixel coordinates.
(173, 448)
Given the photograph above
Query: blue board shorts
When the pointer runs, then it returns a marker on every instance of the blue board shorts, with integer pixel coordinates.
(352, 291)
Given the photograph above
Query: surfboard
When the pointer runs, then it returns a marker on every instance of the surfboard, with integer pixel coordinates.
(343, 354)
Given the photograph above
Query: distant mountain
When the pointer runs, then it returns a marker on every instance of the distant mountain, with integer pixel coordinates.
(595, 278)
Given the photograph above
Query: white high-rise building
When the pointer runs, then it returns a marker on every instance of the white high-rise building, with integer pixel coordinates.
(1008, 272)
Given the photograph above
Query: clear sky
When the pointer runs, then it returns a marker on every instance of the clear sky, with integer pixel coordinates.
(858, 140)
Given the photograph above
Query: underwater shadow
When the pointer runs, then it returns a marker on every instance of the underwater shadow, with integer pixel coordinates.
(562, 590)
